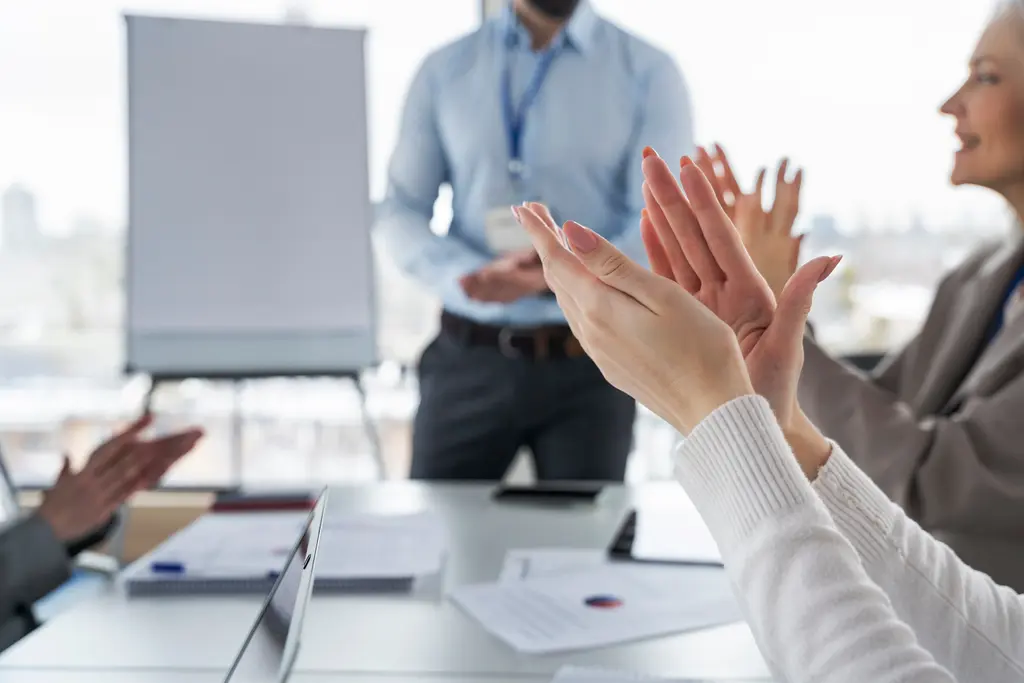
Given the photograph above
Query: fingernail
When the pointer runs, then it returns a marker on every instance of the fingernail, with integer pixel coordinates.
(515, 212)
(701, 151)
(649, 152)
(831, 266)
(582, 239)
(685, 161)
(644, 215)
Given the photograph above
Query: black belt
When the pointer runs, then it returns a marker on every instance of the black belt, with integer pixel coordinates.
(549, 342)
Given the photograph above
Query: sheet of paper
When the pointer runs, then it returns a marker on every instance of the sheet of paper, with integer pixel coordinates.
(578, 674)
(536, 562)
(600, 606)
(381, 546)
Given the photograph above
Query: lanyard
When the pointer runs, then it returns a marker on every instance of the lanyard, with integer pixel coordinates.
(515, 118)
(1018, 280)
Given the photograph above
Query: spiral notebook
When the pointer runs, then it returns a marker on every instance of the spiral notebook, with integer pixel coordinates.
(242, 553)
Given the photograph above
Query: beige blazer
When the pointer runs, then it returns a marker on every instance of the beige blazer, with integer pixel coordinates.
(939, 425)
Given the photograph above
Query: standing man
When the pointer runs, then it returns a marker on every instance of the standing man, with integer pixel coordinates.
(547, 102)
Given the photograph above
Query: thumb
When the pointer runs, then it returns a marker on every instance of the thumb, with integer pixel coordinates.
(795, 301)
(610, 265)
(65, 469)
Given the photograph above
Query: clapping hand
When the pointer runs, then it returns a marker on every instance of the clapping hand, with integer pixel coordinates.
(506, 279)
(691, 240)
(767, 234)
(80, 503)
(650, 338)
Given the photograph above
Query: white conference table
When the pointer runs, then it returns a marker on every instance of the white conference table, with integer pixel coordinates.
(417, 635)
(149, 676)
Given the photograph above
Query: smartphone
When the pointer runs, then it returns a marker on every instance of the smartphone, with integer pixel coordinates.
(546, 492)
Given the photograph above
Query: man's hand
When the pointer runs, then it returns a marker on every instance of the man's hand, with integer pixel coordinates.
(509, 278)
(80, 503)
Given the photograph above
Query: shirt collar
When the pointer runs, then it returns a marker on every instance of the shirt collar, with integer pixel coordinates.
(579, 32)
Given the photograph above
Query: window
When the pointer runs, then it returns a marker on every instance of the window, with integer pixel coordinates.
(850, 92)
(62, 216)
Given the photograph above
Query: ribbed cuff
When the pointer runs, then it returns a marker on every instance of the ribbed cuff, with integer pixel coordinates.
(859, 508)
(739, 471)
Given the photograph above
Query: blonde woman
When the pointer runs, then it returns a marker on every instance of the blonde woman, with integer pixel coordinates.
(938, 425)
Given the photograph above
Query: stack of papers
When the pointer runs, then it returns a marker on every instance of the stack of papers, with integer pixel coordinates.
(576, 674)
(224, 553)
(382, 546)
(571, 600)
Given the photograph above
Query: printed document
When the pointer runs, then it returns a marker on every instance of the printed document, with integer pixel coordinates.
(602, 605)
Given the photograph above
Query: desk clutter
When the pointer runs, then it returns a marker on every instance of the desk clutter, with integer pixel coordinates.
(542, 600)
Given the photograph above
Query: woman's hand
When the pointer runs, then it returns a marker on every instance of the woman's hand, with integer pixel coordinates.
(690, 240)
(718, 171)
(767, 235)
(649, 337)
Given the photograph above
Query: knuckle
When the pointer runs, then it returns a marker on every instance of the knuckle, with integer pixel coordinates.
(613, 266)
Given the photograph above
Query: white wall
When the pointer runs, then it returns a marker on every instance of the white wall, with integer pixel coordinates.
(492, 6)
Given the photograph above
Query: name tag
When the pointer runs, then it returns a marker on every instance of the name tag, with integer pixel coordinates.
(503, 232)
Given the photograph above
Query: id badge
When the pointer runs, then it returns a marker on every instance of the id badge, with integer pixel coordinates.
(504, 233)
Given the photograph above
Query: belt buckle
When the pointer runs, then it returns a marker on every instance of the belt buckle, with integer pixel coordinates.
(505, 346)
(540, 341)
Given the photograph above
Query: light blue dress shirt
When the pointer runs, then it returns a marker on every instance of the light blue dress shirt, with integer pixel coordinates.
(606, 96)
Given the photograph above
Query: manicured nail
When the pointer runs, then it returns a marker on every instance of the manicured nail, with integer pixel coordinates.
(832, 263)
(515, 212)
(685, 161)
(580, 238)
(649, 152)
(645, 215)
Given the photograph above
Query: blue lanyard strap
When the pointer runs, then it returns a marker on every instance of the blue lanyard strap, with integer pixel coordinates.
(997, 324)
(515, 118)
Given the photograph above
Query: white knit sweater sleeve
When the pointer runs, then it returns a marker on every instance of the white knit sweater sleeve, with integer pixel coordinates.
(972, 626)
(814, 611)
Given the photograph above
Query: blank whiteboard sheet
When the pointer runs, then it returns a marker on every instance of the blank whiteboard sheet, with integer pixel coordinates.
(249, 210)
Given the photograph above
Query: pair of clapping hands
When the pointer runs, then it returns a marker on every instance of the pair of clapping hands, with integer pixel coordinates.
(703, 326)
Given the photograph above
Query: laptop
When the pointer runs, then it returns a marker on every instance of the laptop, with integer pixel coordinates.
(269, 651)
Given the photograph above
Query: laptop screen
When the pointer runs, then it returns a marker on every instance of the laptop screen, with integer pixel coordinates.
(270, 645)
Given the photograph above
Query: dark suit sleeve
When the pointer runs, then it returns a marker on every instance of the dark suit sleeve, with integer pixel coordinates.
(33, 562)
(80, 545)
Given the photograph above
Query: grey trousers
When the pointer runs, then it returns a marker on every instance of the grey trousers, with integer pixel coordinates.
(479, 407)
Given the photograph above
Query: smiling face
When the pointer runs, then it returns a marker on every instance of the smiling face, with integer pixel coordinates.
(989, 109)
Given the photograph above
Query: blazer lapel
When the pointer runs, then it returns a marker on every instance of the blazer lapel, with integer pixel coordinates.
(957, 375)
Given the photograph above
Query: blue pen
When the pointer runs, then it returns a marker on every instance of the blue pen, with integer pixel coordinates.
(167, 567)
